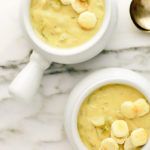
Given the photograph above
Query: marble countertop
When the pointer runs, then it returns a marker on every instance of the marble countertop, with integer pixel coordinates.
(39, 125)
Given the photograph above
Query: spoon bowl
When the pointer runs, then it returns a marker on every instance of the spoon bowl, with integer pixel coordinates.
(140, 14)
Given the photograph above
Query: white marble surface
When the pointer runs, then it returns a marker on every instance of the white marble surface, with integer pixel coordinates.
(39, 124)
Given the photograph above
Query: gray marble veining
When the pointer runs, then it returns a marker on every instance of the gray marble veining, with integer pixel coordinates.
(39, 124)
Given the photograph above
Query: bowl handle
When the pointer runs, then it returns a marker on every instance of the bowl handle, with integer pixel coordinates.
(27, 82)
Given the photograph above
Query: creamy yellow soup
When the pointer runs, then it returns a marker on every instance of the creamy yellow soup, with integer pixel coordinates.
(106, 102)
(57, 24)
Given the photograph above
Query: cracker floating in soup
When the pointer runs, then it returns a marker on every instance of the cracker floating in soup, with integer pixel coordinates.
(114, 117)
(66, 23)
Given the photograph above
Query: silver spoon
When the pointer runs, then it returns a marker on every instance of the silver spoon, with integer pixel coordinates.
(140, 14)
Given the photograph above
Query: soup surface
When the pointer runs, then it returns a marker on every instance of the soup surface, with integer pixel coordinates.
(58, 24)
(105, 102)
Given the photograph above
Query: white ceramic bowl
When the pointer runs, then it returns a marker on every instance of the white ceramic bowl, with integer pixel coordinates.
(79, 53)
(29, 79)
(90, 84)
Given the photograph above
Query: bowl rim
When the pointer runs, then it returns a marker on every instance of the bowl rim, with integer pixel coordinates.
(88, 90)
(65, 52)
